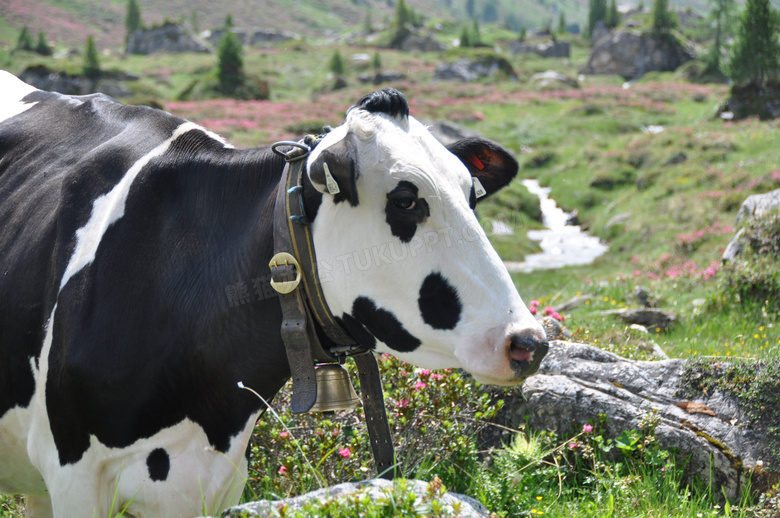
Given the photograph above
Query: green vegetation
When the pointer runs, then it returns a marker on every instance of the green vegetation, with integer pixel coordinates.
(664, 20)
(230, 67)
(133, 18)
(91, 60)
(25, 41)
(756, 52)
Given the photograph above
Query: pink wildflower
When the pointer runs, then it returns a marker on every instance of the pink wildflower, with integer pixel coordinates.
(573, 445)
(533, 310)
(345, 453)
(437, 376)
(534, 303)
(284, 434)
(419, 385)
(425, 372)
(401, 403)
(587, 428)
(549, 311)
(283, 470)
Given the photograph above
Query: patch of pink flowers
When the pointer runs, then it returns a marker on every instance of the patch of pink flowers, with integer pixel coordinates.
(419, 385)
(534, 307)
(345, 452)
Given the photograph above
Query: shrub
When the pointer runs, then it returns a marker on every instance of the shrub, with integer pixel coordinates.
(230, 68)
(91, 61)
(25, 41)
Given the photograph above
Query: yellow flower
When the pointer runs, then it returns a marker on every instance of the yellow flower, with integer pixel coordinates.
(538, 497)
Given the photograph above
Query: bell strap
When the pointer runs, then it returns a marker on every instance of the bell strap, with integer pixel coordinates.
(376, 416)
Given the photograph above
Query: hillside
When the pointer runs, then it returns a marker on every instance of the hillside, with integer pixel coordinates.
(69, 21)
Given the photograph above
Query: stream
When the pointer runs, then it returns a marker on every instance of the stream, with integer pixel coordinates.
(562, 244)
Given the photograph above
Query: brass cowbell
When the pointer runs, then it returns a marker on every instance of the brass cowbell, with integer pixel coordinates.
(334, 389)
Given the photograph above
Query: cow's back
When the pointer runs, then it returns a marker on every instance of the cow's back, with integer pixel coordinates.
(57, 157)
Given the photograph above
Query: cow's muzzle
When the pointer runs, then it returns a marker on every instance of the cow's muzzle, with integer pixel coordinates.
(526, 351)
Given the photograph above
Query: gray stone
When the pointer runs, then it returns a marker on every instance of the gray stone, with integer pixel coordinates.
(577, 383)
(377, 489)
(170, 37)
(552, 79)
(424, 43)
(549, 49)
(651, 318)
(43, 78)
(381, 77)
(754, 206)
(631, 55)
(467, 70)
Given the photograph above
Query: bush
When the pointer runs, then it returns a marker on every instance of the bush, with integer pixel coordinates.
(230, 68)
(91, 61)
(754, 276)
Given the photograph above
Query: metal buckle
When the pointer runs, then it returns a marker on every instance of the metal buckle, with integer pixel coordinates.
(285, 259)
(299, 152)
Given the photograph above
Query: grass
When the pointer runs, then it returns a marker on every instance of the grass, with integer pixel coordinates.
(651, 153)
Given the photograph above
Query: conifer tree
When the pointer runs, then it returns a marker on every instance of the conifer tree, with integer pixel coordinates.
(562, 23)
(230, 66)
(133, 18)
(664, 20)
(42, 47)
(25, 41)
(91, 60)
(336, 64)
(597, 13)
(612, 19)
(721, 15)
(756, 52)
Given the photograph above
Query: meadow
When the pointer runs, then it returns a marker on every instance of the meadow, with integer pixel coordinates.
(650, 169)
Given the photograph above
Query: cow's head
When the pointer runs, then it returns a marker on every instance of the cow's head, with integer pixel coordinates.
(403, 261)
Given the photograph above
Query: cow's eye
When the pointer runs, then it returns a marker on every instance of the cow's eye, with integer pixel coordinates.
(405, 203)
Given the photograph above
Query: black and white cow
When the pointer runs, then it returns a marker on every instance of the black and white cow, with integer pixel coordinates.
(133, 288)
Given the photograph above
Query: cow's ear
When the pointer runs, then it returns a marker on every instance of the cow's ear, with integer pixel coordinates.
(487, 161)
(334, 171)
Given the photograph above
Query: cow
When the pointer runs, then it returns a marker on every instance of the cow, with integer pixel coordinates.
(134, 251)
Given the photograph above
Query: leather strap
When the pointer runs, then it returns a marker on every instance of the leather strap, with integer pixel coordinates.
(292, 236)
(376, 416)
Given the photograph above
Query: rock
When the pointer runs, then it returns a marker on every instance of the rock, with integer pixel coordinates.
(550, 49)
(599, 34)
(754, 206)
(417, 43)
(679, 158)
(651, 318)
(643, 297)
(576, 383)
(44, 78)
(571, 303)
(169, 37)
(752, 99)
(617, 219)
(552, 79)
(381, 77)
(264, 37)
(555, 330)
(758, 205)
(632, 55)
(467, 70)
(376, 489)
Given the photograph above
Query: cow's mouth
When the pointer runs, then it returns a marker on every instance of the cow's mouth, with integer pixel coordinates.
(525, 355)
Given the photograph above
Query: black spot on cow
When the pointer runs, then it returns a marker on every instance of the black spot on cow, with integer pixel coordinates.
(439, 302)
(159, 464)
(405, 210)
(384, 325)
(389, 101)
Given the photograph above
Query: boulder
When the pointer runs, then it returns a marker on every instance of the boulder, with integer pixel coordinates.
(754, 206)
(467, 70)
(376, 489)
(169, 37)
(631, 55)
(421, 43)
(577, 383)
(263, 37)
(44, 78)
(549, 49)
(652, 318)
(381, 77)
(553, 80)
(752, 99)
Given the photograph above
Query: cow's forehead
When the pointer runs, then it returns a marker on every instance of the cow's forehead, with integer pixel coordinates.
(405, 149)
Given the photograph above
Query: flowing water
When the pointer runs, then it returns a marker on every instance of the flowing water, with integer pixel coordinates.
(562, 244)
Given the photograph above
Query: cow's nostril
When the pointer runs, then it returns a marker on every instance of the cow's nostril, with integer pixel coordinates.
(526, 351)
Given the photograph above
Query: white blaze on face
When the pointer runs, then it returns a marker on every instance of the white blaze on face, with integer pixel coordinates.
(431, 280)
